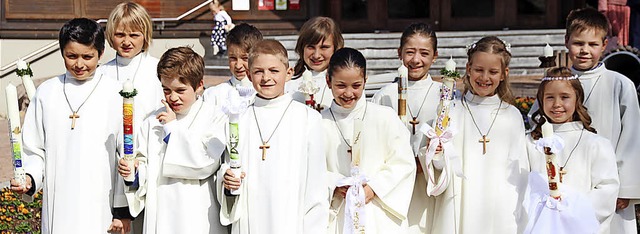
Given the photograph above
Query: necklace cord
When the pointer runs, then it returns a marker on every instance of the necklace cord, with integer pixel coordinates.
(64, 91)
(338, 127)
(274, 130)
(474, 120)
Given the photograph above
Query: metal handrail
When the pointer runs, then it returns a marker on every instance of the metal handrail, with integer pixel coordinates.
(30, 57)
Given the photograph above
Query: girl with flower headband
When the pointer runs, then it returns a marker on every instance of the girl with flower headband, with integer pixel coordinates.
(489, 150)
(587, 163)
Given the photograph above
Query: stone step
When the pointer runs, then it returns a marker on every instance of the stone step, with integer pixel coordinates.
(380, 49)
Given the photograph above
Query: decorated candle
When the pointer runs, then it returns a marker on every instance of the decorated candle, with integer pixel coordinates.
(553, 172)
(447, 88)
(25, 73)
(309, 88)
(547, 51)
(234, 106)
(403, 82)
(15, 133)
(128, 92)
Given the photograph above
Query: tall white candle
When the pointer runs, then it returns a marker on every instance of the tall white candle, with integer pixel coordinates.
(450, 65)
(547, 51)
(553, 171)
(15, 131)
(403, 72)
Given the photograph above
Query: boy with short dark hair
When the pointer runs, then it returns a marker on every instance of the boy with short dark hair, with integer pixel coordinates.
(70, 140)
(284, 187)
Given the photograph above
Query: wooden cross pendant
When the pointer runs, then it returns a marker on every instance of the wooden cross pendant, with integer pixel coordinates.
(484, 142)
(264, 148)
(562, 173)
(414, 122)
(73, 118)
(319, 107)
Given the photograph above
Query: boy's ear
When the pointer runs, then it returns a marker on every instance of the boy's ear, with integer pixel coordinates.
(200, 87)
(604, 45)
(289, 74)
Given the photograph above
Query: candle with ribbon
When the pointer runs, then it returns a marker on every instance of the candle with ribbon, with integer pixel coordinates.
(127, 93)
(549, 145)
(403, 82)
(355, 199)
(309, 87)
(441, 134)
(15, 134)
(234, 106)
(25, 73)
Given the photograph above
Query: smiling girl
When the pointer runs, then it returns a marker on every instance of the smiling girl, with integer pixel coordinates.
(491, 143)
(385, 157)
(319, 38)
(587, 158)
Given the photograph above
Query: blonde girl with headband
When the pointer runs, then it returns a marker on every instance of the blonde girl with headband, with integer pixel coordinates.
(587, 163)
(318, 39)
(490, 145)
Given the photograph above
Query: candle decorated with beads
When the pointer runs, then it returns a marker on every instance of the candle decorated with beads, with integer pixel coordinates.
(15, 133)
(127, 93)
(450, 75)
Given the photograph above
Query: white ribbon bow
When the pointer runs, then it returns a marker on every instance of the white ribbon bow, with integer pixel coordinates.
(554, 142)
(354, 212)
(447, 146)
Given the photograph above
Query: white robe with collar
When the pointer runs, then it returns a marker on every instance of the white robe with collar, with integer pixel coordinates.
(145, 81)
(591, 168)
(76, 168)
(427, 91)
(490, 199)
(386, 159)
(176, 178)
(287, 192)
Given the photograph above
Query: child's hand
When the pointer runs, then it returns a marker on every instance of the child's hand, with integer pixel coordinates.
(123, 167)
(230, 182)
(439, 149)
(369, 194)
(120, 226)
(622, 203)
(167, 115)
(341, 191)
(19, 188)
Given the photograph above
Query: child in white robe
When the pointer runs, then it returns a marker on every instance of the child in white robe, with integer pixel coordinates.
(281, 148)
(318, 39)
(239, 41)
(612, 102)
(70, 137)
(587, 163)
(418, 51)
(178, 152)
(490, 143)
(384, 159)
(129, 31)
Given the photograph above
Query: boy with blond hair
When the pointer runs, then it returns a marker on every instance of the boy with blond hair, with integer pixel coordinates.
(179, 150)
(283, 187)
(613, 106)
(239, 41)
